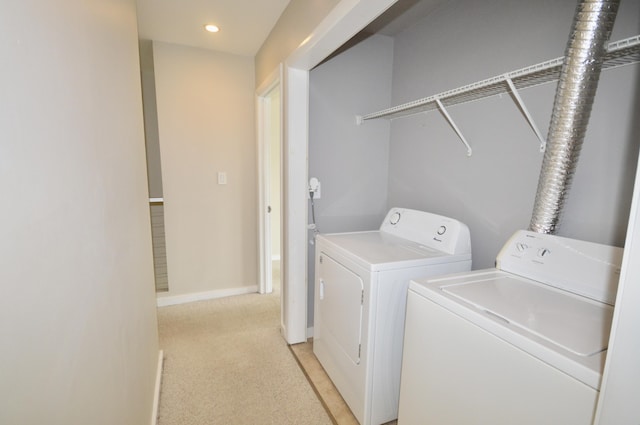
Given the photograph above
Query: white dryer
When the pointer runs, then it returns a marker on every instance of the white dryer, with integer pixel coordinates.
(524, 343)
(360, 296)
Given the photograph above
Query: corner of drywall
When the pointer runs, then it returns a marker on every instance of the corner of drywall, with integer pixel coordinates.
(156, 394)
(324, 35)
(299, 19)
(167, 300)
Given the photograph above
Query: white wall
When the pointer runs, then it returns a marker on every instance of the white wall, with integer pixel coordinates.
(205, 102)
(350, 161)
(296, 23)
(77, 311)
(493, 191)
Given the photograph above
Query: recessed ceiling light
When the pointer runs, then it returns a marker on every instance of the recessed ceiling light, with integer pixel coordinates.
(211, 28)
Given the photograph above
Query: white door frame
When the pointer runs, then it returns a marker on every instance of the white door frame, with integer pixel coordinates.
(621, 376)
(343, 22)
(264, 112)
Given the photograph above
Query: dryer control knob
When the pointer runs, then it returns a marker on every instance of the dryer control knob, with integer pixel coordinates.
(441, 230)
(395, 218)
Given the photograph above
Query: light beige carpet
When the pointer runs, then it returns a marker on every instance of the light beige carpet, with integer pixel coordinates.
(226, 363)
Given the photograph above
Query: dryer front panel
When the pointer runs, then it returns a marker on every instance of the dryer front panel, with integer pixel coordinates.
(340, 301)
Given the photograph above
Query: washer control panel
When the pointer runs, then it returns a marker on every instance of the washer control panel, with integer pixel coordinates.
(395, 218)
(581, 267)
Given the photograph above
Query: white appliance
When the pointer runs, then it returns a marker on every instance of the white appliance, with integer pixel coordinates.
(524, 343)
(360, 296)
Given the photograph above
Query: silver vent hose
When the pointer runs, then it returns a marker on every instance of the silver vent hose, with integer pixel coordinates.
(575, 94)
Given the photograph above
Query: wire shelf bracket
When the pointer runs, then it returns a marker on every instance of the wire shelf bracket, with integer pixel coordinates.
(525, 111)
(453, 125)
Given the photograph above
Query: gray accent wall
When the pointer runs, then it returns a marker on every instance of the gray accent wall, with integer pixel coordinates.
(493, 191)
(350, 161)
(422, 159)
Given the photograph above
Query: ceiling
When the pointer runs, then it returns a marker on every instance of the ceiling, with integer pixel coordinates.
(401, 15)
(245, 24)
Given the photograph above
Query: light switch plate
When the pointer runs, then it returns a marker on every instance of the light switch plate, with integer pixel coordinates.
(222, 177)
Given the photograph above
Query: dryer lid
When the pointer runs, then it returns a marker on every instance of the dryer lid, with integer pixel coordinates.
(379, 251)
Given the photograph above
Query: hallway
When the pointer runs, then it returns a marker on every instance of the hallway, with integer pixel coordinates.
(225, 362)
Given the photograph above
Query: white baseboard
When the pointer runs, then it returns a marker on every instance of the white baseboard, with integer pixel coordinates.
(163, 301)
(156, 395)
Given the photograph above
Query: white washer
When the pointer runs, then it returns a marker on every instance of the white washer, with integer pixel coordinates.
(360, 296)
(524, 343)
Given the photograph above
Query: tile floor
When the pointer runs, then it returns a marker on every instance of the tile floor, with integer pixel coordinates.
(322, 385)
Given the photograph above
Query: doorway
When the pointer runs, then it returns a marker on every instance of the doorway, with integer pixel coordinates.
(269, 106)
(345, 19)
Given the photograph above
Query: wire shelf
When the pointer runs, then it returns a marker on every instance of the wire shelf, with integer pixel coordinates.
(619, 53)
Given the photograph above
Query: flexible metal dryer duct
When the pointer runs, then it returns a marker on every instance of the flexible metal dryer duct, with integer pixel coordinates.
(576, 91)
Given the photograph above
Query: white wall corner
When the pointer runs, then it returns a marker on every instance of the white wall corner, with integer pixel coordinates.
(310, 332)
(163, 301)
(156, 393)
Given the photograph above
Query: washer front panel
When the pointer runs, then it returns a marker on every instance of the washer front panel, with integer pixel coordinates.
(511, 316)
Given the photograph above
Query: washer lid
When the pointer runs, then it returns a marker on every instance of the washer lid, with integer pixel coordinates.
(574, 323)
